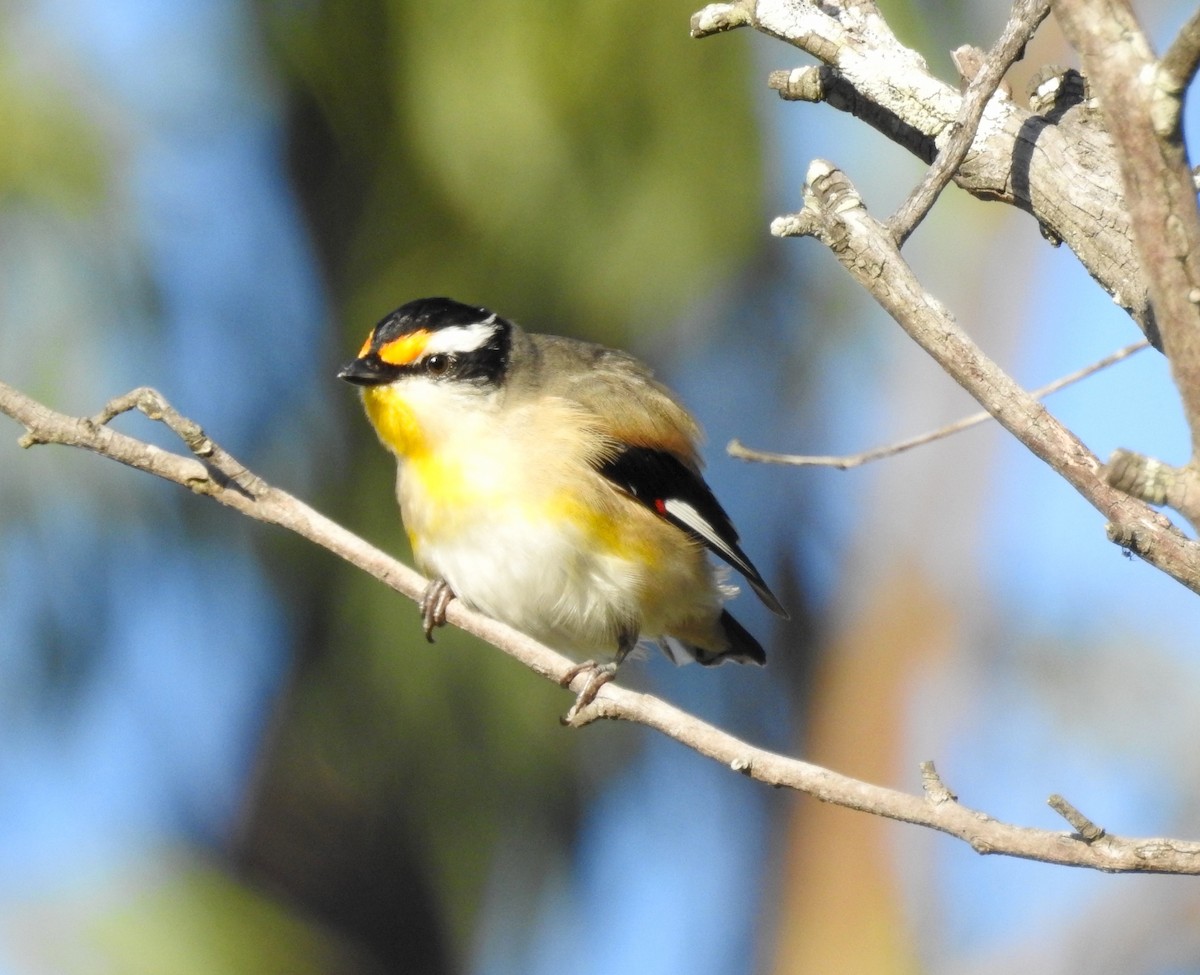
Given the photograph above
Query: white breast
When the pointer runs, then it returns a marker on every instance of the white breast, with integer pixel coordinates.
(539, 578)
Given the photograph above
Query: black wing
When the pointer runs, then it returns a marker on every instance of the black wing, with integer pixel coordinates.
(674, 491)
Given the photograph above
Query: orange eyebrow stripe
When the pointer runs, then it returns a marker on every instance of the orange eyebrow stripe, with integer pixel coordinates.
(405, 349)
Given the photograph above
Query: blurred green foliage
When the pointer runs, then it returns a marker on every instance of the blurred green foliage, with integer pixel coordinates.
(49, 152)
(581, 165)
(197, 921)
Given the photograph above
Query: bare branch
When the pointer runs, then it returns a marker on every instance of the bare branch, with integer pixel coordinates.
(1058, 167)
(935, 788)
(845, 462)
(1143, 121)
(1179, 64)
(1154, 482)
(1141, 102)
(938, 809)
(1087, 830)
(834, 213)
(1026, 16)
(213, 472)
(822, 83)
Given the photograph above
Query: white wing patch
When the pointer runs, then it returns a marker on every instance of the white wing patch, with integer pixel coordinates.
(697, 523)
(683, 512)
(461, 338)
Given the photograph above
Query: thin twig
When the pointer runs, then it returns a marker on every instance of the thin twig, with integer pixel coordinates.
(936, 810)
(1025, 18)
(935, 789)
(1088, 830)
(1178, 66)
(847, 461)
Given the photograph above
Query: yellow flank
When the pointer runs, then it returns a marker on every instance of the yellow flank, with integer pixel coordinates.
(394, 422)
(610, 534)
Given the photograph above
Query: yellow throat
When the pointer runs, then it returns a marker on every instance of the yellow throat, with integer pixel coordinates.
(394, 422)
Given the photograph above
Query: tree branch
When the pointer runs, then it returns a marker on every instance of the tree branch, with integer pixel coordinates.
(1026, 16)
(845, 462)
(1179, 64)
(1141, 101)
(1059, 167)
(834, 213)
(1143, 121)
(212, 471)
(1088, 831)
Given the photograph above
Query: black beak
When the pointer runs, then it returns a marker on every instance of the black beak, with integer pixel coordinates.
(367, 371)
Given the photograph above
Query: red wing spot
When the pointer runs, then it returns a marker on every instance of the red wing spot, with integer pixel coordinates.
(660, 506)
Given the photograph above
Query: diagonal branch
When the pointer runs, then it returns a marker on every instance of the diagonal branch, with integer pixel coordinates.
(1026, 16)
(1143, 120)
(210, 470)
(1141, 101)
(834, 214)
(1179, 64)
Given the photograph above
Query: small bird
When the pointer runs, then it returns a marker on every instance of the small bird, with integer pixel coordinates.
(554, 485)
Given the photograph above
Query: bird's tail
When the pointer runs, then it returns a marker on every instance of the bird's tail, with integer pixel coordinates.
(740, 646)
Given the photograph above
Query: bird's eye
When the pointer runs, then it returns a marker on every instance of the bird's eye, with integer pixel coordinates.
(439, 364)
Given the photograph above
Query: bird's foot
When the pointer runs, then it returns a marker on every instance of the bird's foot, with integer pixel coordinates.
(600, 674)
(434, 600)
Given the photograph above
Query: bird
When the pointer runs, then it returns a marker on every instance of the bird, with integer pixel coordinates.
(555, 485)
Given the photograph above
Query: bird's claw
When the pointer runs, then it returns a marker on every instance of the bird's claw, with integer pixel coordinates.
(600, 675)
(434, 600)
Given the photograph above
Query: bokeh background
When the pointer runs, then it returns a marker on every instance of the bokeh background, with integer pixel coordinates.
(223, 751)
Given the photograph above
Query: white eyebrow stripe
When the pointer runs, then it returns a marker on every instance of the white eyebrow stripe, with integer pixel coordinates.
(461, 338)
